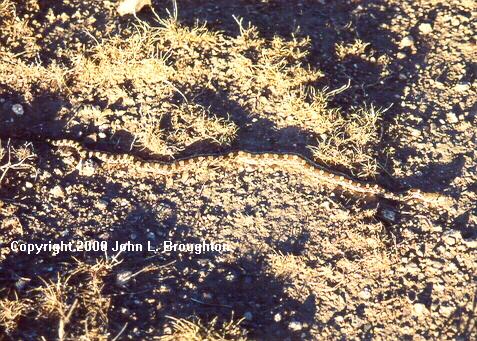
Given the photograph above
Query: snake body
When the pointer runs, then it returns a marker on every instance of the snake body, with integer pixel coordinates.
(271, 160)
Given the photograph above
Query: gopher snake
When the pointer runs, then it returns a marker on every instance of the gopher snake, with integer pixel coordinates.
(271, 160)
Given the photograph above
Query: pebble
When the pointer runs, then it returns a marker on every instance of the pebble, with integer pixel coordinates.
(400, 55)
(230, 277)
(446, 310)
(419, 309)
(407, 41)
(412, 268)
(57, 192)
(277, 317)
(18, 109)
(132, 6)
(207, 295)
(339, 319)
(451, 118)
(365, 294)
(462, 87)
(389, 215)
(295, 326)
(91, 138)
(425, 28)
(128, 101)
(248, 316)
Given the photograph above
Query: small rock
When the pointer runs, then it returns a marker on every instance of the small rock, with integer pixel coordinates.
(389, 215)
(407, 41)
(420, 253)
(451, 118)
(277, 317)
(102, 135)
(57, 192)
(400, 55)
(18, 109)
(446, 310)
(462, 87)
(414, 132)
(28, 184)
(248, 316)
(91, 138)
(419, 309)
(295, 326)
(425, 28)
(132, 6)
(365, 294)
(230, 277)
(413, 268)
(455, 21)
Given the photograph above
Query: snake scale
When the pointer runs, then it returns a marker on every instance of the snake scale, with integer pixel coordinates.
(271, 160)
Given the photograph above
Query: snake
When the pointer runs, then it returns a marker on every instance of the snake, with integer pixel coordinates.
(270, 160)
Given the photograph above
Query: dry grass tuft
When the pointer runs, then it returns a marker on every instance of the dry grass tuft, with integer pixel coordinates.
(289, 266)
(32, 79)
(16, 35)
(349, 142)
(108, 66)
(356, 48)
(80, 295)
(54, 297)
(195, 330)
(189, 123)
(15, 159)
(11, 311)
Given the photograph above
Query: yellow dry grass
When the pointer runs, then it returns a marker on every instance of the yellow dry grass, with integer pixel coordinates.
(14, 159)
(195, 330)
(157, 71)
(61, 300)
(11, 311)
(15, 33)
(356, 48)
